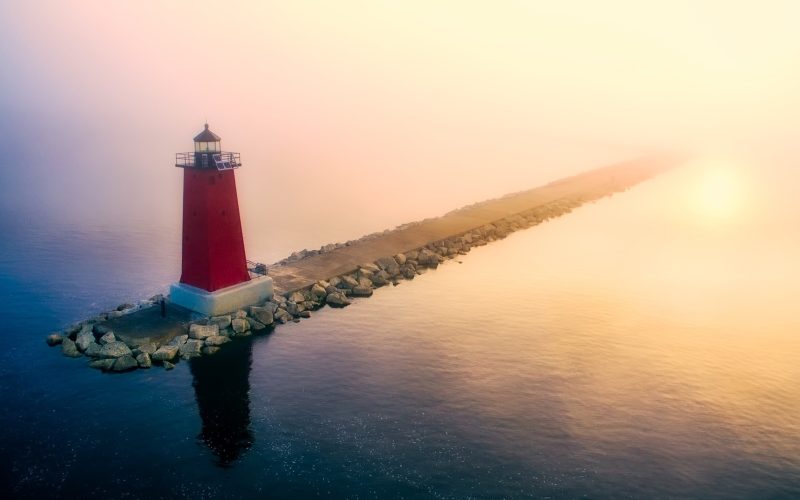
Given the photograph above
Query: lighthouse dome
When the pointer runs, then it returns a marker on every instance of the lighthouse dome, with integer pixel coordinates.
(206, 136)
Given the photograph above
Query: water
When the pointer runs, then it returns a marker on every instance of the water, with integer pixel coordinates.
(634, 348)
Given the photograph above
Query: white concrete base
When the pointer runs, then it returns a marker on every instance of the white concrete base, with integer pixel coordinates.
(223, 301)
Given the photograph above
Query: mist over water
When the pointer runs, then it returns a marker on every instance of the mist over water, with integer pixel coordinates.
(644, 345)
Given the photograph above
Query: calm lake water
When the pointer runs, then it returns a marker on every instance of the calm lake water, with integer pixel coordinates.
(643, 346)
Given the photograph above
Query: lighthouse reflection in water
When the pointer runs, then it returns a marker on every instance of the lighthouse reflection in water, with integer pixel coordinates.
(222, 389)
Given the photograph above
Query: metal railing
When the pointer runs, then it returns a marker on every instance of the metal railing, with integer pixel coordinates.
(222, 160)
(256, 268)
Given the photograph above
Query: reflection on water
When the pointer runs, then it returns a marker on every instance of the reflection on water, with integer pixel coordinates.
(222, 389)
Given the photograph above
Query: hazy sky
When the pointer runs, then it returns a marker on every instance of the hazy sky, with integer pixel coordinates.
(367, 114)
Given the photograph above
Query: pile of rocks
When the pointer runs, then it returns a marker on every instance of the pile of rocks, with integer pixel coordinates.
(208, 335)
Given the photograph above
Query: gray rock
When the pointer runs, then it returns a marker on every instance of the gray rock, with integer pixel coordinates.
(412, 255)
(200, 332)
(54, 339)
(337, 299)
(347, 282)
(334, 282)
(239, 325)
(240, 314)
(282, 315)
(68, 348)
(191, 348)
(381, 278)
(94, 350)
(388, 264)
(297, 297)
(217, 340)
(144, 360)
(207, 350)
(361, 291)
(107, 338)
(101, 329)
(148, 348)
(115, 350)
(124, 306)
(165, 353)
(318, 290)
(178, 341)
(400, 259)
(305, 314)
(222, 322)
(292, 308)
(370, 267)
(271, 307)
(255, 324)
(168, 365)
(84, 338)
(125, 363)
(102, 364)
(263, 315)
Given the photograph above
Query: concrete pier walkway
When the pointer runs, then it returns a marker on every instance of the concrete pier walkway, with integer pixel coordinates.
(589, 185)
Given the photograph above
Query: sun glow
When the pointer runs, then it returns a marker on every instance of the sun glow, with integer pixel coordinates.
(720, 193)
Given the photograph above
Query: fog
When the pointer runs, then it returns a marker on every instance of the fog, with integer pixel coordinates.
(352, 117)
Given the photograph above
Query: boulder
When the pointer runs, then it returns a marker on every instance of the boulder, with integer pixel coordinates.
(305, 314)
(347, 282)
(125, 363)
(412, 255)
(94, 350)
(107, 337)
(271, 307)
(124, 306)
(370, 267)
(200, 332)
(115, 350)
(217, 340)
(84, 338)
(400, 259)
(297, 297)
(102, 364)
(334, 282)
(380, 278)
(292, 308)
(222, 322)
(168, 365)
(191, 348)
(263, 315)
(389, 265)
(240, 314)
(318, 290)
(54, 339)
(178, 341)
(361, 291)
(68, 348)
(207, 350)
(282, 315)
(101, 329)
(144, 360)
(254, 324)
(239, 325)
(365, 283)
(337, 299)
(148, 348)
(165, 353)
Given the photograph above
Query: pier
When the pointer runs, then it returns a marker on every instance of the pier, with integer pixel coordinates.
(590, 185)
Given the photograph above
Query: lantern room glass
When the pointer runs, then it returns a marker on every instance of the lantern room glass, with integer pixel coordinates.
(207, 147)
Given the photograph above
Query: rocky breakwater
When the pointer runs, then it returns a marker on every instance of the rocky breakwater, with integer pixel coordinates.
(207, 336)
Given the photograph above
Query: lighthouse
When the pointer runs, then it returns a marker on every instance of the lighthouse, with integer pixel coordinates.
(214, 274)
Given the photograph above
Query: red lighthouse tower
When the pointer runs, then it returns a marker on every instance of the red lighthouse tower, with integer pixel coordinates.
(214, 263)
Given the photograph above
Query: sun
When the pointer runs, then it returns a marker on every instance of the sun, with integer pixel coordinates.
(719, 194)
